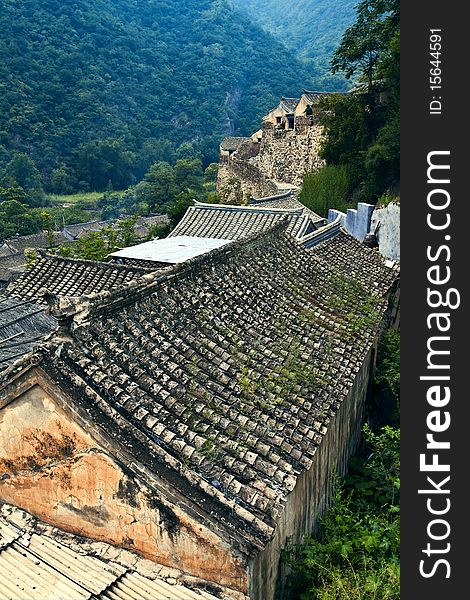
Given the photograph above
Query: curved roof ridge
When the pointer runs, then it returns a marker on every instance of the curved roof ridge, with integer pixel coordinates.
(86, 262)
(246, 208)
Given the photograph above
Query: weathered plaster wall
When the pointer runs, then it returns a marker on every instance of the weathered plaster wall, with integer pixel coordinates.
(357, 222)
(52, 468)
(313, 489)
(388, 234)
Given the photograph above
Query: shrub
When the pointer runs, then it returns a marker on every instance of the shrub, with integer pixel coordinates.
(328, 188)
(355, 554)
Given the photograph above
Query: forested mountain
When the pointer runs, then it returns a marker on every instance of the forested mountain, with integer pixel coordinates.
(313, 28)
(129, 81)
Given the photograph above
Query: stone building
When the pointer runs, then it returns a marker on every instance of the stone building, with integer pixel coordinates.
(283, 116)
(195, 415)
(278, 156)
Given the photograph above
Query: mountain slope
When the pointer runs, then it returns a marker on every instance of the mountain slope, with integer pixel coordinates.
(134, 70)
(313, 28)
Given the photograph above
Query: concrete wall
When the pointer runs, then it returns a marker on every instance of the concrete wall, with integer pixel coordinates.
(356, 221)
(313, 489)
(388, 234)
(53, 468)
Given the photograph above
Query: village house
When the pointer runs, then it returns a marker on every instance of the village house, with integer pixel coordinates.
(205, 227)
(195, 414)
(276, 157)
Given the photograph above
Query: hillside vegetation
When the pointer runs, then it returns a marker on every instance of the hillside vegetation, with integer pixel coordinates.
(362, 147)
(98, 90)
(312, 28)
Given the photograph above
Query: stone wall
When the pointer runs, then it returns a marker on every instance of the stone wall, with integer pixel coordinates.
(282, 157)
(287, 155)
(238, 180)
(54, 469)
(313, 490)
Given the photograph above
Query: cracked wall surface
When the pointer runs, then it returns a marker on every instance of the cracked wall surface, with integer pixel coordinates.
(52, 468)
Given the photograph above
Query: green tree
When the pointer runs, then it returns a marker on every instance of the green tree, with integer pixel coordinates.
(362, 128)
(14, 192)
(126, 231)
(363, 44)
(17, 219)
(48, 227)
(158, 188)
(328, 188)
(22, 171)
(100, 162)
(63, 180)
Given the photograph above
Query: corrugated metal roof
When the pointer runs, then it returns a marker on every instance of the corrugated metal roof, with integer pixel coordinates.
(38, 567)
(8, 533)
(89, 572)
(135, 587)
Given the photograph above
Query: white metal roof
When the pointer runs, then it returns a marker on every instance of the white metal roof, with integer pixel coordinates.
(172, 250)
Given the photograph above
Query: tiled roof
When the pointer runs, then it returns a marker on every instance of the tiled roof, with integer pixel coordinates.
(233, 143)
(234, 222)
(289, 104)
(367, 266)
(223, 373)
(78, 230)
(141, 228)
(311, 96)
(38, 563)
(143, 224)
(71, 277)
(36, 240)
(11, 264)
(286, 201)
(23, 323)
(22, 326)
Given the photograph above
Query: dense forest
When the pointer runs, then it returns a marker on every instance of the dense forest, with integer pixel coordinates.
(98, 90)
(312, 28)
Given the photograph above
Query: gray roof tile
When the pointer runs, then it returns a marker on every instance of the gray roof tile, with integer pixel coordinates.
(225, 371)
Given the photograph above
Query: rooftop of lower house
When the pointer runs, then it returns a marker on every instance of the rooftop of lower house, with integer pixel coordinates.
(230, 222)
(11, 264)
(36, 240)
(286, 201)
(222, 374)
(141, 228)
(23, 320)
(63, 276)
(38, 561)
(23, 324)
